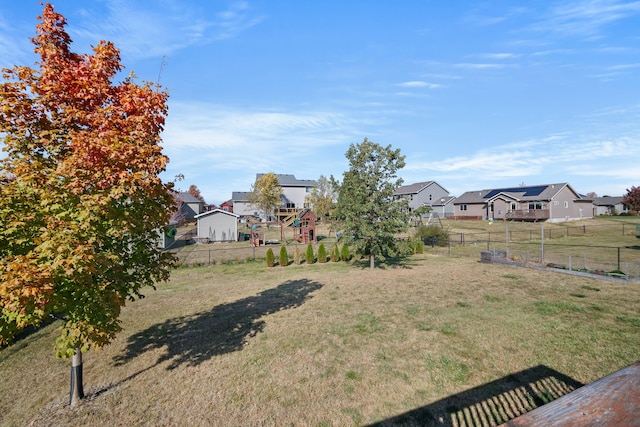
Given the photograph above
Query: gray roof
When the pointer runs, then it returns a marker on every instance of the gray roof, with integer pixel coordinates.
(412, 188)
(189, 198)
(607, 201)
(291, 180)
(237, 196)
(443, 201)
(531, 193)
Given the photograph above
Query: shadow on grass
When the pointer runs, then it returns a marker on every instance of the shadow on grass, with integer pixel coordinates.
(492, 403)
(226, 328)
(388, 262)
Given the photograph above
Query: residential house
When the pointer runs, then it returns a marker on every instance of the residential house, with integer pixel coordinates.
(608, 205)
(217, 226)
(190, 206)
(294, 194)
(227, 206)
(429, 194)
(241, 205)
(550, 202)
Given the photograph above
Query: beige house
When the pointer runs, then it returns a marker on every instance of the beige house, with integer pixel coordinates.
(550, 202)
(294, 193)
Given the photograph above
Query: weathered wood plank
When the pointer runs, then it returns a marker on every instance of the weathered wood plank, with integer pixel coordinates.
(611, 401)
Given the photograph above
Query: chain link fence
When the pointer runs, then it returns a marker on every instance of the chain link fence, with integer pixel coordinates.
(542, 247)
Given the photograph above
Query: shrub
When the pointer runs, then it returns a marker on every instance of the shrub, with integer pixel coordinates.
(419, 247)
(433, 235)
(284, 256)
(335, 254)
(345, 255)
(309, 254)
(296, 256)
(322, 253)
(270, 258)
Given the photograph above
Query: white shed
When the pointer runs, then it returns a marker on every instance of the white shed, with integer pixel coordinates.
(217, 226)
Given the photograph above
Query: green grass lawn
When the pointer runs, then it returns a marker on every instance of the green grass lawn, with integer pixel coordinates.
(334, 345)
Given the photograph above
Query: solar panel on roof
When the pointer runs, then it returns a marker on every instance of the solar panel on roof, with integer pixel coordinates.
(528, 191)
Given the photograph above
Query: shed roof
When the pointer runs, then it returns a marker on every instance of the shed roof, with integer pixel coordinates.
(215, 212)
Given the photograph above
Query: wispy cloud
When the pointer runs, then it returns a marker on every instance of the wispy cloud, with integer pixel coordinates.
(203, 139)
(143, 32)
(15, 50)
(586, 18)
(497, 56)
(419, 84)
(542, 160)
(481, 66)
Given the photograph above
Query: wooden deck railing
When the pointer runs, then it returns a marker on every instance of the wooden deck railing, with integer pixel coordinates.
(529, 214)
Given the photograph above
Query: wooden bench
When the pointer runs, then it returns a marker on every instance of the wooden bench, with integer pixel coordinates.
(611, 401)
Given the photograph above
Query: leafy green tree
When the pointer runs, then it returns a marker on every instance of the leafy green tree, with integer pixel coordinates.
(296, 256)
(322, 198)
(81, 215)
(369, 215)
(345, 254)
(284, 256)
(322, 253)
(270, 258)
(632, 199)
(266, 194)
(433, 235)
(308, 256)
(335, 254)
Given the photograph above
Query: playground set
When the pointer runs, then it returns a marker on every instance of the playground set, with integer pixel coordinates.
(302, 221)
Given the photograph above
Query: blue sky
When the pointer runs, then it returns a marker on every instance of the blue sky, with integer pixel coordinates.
(476, 94)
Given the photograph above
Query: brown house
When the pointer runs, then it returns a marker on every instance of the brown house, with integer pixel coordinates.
(550, 202)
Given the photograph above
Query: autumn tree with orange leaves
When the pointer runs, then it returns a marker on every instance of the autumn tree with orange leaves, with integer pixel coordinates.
(81, 213)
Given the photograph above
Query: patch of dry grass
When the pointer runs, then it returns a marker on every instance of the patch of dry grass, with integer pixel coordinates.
(326, 345)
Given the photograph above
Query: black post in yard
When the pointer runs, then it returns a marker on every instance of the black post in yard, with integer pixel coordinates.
(619, 259)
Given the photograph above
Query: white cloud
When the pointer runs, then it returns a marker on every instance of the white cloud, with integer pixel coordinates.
(586, 18)
(419, 84)
(143, 32)
(480, 66)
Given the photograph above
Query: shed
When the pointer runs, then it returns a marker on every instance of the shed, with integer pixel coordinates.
(217, 226)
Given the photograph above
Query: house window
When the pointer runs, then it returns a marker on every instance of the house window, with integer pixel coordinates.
(566, 205)
(536, 205)
(513, 206)
(463, 207)
(556, 203)
(430, 197)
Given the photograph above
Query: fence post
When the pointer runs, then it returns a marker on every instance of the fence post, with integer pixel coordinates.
(542, 246)
(619, 259)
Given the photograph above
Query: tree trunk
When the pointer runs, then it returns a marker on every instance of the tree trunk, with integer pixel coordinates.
(76, 391)
(372, 262)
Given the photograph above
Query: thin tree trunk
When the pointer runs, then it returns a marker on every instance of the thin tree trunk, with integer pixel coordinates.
(76, 392)
(372, 262)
